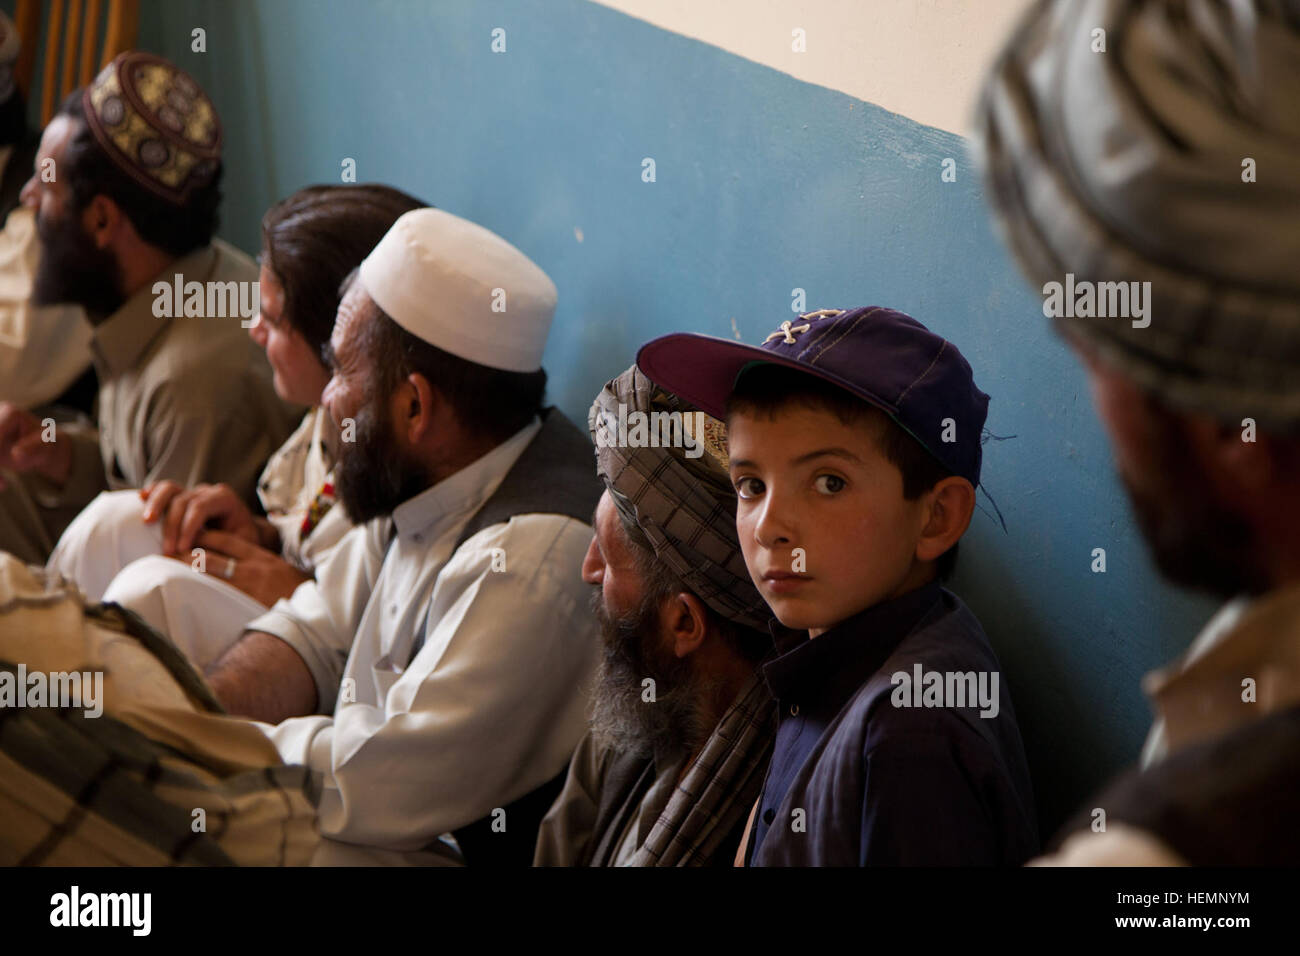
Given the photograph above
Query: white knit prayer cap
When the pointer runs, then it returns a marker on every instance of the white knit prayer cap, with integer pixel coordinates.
(463, 289)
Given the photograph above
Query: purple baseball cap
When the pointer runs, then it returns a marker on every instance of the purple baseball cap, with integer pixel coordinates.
(884, 357)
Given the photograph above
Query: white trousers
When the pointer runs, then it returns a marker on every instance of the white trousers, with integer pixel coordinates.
(105, 537)
(113, 556)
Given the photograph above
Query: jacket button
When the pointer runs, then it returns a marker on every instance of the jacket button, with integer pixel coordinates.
(769, 815)
(794, 710)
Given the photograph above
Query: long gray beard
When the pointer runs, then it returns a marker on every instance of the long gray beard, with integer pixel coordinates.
(676, 721)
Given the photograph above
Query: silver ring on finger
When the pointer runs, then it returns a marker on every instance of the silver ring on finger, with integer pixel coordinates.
(230, 569)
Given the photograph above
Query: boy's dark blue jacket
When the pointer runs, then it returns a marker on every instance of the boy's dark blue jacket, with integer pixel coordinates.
(885, 784)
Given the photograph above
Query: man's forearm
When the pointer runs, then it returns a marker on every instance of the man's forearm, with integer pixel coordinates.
(264, 678)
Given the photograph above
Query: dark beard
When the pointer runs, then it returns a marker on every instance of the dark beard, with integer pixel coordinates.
(1194, 539)
(676, 722)
(373, 477)
(72, 269)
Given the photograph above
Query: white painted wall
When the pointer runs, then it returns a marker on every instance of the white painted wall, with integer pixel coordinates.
(921, 58)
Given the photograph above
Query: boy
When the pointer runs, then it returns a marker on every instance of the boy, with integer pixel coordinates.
(854, 440)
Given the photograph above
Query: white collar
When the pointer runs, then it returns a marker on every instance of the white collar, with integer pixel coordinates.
(434, 510)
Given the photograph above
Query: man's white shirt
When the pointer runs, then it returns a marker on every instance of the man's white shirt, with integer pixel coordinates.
(495, 699)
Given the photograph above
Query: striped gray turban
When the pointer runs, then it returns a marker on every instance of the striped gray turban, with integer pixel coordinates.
(678, 494)
(1132, 165)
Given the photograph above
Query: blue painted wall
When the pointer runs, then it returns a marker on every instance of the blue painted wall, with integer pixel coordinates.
(764, 184)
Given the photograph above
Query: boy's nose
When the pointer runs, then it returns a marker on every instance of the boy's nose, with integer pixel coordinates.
(774, 527)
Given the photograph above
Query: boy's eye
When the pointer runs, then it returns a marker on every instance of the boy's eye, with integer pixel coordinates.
(829, 484)
(749, 487)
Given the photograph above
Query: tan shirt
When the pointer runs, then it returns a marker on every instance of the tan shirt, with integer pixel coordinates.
(1248, 650)
(1244, 665)
(184, 398)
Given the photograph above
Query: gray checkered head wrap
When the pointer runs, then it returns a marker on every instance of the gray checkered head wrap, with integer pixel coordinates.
(1130, 165)
(684, 506)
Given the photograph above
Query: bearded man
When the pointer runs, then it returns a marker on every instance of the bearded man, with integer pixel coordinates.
(126, 189)
(436, 671)
(1133, 166)
(44, 350)
(683, 723)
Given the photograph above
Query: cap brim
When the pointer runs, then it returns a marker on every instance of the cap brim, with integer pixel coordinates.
(699, 368)
(703, 369)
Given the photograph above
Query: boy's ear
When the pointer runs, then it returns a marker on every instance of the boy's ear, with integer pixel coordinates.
(950, 504)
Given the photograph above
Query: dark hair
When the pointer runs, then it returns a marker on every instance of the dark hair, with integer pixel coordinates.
(316, 237)
(659, 581)
(489, 401)
(13, 120)
(766, 389)
(90, 172)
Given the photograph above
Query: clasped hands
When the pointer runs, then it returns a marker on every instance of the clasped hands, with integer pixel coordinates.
(238, 547)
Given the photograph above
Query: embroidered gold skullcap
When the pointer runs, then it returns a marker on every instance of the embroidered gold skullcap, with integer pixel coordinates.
(156, 124)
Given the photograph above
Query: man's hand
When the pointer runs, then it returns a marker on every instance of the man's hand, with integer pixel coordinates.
(185, 513)
(23, 446)
(262, 575)
(262, 677)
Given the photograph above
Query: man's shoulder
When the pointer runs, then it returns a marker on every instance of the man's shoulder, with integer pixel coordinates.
(553, 477)
(598, 765)
(213, 386)
(949, 637)
(539, 548)
(559, 451)
(211, 335)
(1230, 800)
(211, 362)
(232, 263)
(195, 351)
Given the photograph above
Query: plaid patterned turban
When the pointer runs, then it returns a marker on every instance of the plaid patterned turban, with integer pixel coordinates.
(1129, 165)
(685, 507)
(155, 124)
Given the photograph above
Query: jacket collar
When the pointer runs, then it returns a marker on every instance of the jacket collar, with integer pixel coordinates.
(121, 339)
(1243, 666)
(829, 669)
